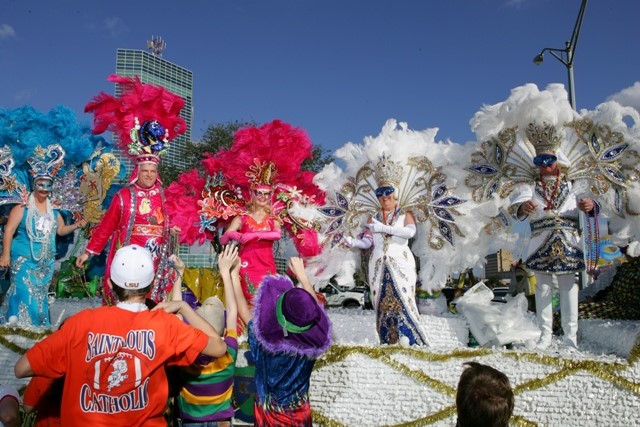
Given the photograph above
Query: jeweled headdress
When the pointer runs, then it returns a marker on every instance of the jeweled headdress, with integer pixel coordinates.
(388, 172)
(144, 117)
(6, 162)
(149, 141)
(262, 174)
(46, 162)
(9, 185)
(544, 137)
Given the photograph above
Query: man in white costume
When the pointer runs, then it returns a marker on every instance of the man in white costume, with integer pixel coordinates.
(554, 252)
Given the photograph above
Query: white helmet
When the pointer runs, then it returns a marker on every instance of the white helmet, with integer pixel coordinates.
(132, 267)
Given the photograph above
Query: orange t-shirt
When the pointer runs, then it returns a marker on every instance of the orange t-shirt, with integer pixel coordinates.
(113, 361)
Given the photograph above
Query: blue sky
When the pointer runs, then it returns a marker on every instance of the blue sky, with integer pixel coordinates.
(339, 69)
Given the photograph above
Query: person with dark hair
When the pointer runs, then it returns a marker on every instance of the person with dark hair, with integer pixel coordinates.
(9, 406)
(484, 397)
(114, 357)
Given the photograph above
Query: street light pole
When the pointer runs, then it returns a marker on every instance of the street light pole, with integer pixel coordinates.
(565, 56)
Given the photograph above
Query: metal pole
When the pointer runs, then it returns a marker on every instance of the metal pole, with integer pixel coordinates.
(572, 88)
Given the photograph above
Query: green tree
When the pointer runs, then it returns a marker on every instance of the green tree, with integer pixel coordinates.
(219, 136)
(321, 158)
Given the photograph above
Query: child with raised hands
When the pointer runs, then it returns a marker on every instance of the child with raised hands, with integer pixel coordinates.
(206, 386)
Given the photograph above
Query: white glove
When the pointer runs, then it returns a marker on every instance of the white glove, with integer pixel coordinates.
(357, 243)
(405, 232)
(378, 227)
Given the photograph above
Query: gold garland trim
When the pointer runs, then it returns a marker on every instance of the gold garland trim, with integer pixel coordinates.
(606, 371)
(337, 353)
(32, 335)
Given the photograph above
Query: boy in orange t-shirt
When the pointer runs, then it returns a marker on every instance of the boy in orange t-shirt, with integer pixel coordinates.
(113, 358)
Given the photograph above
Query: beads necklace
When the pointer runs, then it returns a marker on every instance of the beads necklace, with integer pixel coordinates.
(550, 198)
(593, 240)
(41, 233)
(387, 218)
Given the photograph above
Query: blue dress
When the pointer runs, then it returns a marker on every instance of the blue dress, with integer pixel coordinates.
(32, 265)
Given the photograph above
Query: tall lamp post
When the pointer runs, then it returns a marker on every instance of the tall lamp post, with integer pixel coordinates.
(566, 55)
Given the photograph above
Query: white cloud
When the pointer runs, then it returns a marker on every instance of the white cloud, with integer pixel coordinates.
(115, 26)
(7, 31)
(629, 97)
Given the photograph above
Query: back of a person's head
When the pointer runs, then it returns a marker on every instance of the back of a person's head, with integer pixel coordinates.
(484, 398)
(132, 271)
(212, 310)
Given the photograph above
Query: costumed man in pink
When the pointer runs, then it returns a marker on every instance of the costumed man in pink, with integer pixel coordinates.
(145, 118)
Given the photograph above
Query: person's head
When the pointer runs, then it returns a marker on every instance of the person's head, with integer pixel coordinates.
(42, 187)
(484, 397)
(547, 163)
(44, 165)
(288, 319)
(386, 194)
(388, 175)
(132, 271)
(212, 310)
(261, 197)
(147, 174)
(546, 138)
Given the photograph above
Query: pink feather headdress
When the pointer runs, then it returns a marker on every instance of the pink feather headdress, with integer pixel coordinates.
(267, 156)
(145, 118)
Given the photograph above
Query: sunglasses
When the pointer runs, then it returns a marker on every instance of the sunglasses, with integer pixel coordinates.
(384, 191)
(544, 160)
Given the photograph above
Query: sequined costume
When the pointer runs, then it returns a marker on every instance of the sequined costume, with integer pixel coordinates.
(621, 300)
(590, 156)
(554, 251)
(256, 255)
(392, 276)
(32, 264)
(555, 240)
(136, 216)
(145, 119)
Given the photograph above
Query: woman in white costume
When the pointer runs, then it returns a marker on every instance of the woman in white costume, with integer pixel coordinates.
(392, 267)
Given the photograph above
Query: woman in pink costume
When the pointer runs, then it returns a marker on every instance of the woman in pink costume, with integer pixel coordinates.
(255, 232)
(251, 190)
